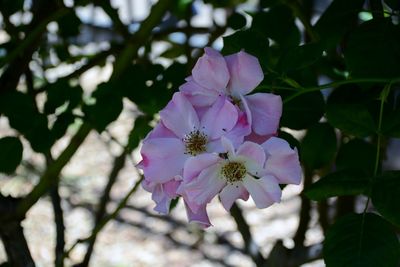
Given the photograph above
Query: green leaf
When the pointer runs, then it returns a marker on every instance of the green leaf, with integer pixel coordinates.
(340, 17)
(361, 241)
(347, 111)
(251, 41)
(60, 93)
(356, 155)
(60, 126)
(303, 111)
(23, 116)
(341, 183)
(300, 57)
(10, 154)
(68, 25)
(141, 129)
(236, 21)
(278, 24)
(393, 4)
(107, 108)
(391, 115)
(386, 196)
(318, 147)
(373, 50)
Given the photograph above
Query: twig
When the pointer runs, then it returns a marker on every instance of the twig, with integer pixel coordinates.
(251, 247)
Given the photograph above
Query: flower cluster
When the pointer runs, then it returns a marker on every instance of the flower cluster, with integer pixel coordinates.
(214, 138)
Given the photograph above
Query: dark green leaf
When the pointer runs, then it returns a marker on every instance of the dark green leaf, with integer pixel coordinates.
(373, 50)
(300, 57)
(278, 24)
(361, 241)
(303, 111)
(64, 120)
(23, 116)
(107, 108)
(342, 183)
(142, 128)
(236, 21)
(393, 4)
(318, 147)
(68, 25)
(347, 111)
(251, 41)
(60, 93)
(386, 196)
(340, 17)
(391, 115)
(356, 155)
(10, 154)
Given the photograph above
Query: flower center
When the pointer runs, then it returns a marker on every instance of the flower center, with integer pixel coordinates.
(234, 171)
(195, 142)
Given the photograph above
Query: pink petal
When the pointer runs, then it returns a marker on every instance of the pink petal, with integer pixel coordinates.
(230, 193)
(266, 111)
(160, 131)
(240, 130)
(161, 199)
(211, 71)
(283, 161)
(163, 159)
(219, 119)
(198, 95)
(259, 139)
(264, 191)
(194, 165)
(199, 217)
(245, 72)
(203, 188)
(228, 146)
(179, 116)
(252, 151)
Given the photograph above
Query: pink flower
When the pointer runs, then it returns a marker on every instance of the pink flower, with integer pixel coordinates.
(162, 193)
(235, 76)
(251, 169)
(182, 134)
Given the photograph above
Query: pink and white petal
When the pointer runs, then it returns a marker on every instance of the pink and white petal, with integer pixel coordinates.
(203, 188)
(253, 152)
(198, 95)
(160, 131)
(163, 158)
(283, 161)
(231, 192)
(245, 72)
(259, 139)
(239, 131)
(171, 187)
(194, 165)
(219, 119)
(266, 111)
(211, 71)
(228, 146)
(179, 116)
(199, 217)
(161, 199)
(264, 191)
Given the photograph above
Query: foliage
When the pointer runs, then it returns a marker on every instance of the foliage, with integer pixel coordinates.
(338, 76)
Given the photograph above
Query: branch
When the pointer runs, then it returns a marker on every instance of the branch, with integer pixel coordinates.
(118, 165)
(251, 247)
(60, 226)
(12, 234)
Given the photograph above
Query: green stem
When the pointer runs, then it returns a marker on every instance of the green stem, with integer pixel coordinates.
(304, 90)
